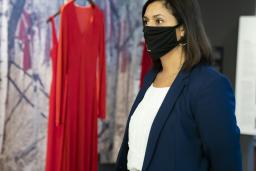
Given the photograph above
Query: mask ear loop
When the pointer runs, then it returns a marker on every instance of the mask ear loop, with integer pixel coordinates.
(183, 44)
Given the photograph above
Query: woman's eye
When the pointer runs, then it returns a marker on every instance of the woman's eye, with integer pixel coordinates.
(145, 22)
(159, 21)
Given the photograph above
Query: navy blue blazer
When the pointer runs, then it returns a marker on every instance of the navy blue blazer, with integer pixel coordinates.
(195, 128)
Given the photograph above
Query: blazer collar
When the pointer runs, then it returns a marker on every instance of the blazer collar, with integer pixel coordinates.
(164, 112)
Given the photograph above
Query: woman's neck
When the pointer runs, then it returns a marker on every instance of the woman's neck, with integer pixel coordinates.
(173, 60)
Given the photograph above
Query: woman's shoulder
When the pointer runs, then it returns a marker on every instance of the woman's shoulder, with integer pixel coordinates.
(205, 76)
(205, 72)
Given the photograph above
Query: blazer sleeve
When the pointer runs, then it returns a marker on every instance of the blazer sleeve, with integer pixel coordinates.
(101, 76)
(214, 112)
(61, 81)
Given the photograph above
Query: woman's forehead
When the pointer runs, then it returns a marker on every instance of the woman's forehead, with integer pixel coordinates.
(155, 9)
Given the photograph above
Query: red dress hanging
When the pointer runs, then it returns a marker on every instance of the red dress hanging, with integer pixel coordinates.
(81, 86)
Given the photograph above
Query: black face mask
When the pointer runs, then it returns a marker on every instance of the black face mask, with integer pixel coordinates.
(160, 40)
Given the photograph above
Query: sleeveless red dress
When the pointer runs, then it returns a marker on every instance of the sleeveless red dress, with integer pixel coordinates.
(80, 86)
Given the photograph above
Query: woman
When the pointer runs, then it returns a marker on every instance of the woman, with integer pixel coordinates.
(183, 118)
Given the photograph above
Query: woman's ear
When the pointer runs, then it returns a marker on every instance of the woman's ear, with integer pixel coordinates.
(182, 31)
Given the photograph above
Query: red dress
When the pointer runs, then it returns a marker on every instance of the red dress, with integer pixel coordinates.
(146, 64)
(54, 132)
(81, 85)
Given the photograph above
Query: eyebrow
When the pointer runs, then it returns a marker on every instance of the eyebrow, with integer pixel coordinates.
(154, 16)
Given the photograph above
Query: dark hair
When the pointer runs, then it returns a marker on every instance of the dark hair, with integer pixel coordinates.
(198, 48)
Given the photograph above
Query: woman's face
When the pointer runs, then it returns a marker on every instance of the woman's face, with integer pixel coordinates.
(157, 15)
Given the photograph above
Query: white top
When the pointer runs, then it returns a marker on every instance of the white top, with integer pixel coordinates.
(140, 125)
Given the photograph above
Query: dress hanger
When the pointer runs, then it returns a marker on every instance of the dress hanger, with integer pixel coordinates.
(58, 12)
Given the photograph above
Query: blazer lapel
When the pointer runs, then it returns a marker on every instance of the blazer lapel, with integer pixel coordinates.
(122, 156)
(163, 114)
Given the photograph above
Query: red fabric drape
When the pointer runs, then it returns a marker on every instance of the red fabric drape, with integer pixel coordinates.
(54, 133)
(146, 64)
